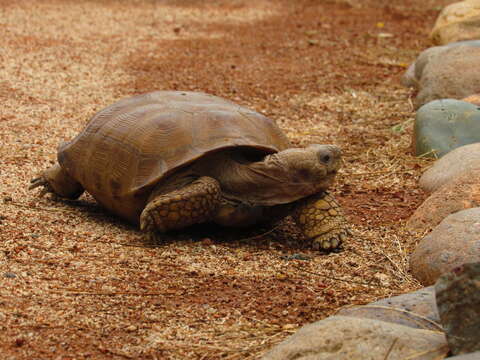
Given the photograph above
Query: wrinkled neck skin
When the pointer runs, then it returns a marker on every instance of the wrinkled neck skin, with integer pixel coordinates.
(278, 178)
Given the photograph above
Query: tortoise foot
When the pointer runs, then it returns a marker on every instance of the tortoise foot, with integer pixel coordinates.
(43, 182)
(56, 181)
(331, 241)
(322, 221)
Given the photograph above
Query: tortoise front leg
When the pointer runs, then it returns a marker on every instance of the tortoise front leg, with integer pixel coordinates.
(55, 180)
(194, 203)
(321, 219)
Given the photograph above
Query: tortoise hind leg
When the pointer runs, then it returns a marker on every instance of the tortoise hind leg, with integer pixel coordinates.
(194, 203)
(56, 180)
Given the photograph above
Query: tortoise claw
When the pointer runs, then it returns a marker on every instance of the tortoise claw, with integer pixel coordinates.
(331, 243)
(41, 181)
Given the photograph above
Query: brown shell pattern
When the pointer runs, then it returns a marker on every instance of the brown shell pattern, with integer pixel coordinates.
(129, 146)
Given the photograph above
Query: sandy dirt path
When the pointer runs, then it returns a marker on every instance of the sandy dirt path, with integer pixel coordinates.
(76, 283)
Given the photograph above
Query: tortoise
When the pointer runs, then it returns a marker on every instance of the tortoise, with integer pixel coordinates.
(166, 160)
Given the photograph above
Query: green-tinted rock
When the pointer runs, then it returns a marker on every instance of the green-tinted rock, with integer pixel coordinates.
(443, 125)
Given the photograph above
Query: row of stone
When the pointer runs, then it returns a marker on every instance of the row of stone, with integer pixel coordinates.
(411, 326)
(430, 323)
(447, 79)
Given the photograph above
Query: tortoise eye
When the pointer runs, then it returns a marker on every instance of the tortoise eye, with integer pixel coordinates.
(325, 158)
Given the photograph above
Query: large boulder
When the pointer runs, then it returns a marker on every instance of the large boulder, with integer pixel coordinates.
(464, 159)
(454, 242)
(346, 338)
(443, 125)
(457, 195)
(456, 22)
(416, 309)
(451, 72)
(412, 76)
(458, 298)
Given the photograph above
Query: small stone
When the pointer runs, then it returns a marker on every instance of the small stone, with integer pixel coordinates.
(19, 342)
(454, 242)
(131, 328)
(297, 257)
(458, 300)
(444, 125)
(9, 275)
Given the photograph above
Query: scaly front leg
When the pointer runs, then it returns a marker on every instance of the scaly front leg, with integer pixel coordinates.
(321, 219)
(194, 203)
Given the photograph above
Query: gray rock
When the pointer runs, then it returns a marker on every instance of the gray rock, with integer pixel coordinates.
(449, 73)
(471, 356)
(416, 309)
(343, 337)
(444, 125)
(414, 72)
(454, 242)
(451, 166)
(459, 194)
(458, 298)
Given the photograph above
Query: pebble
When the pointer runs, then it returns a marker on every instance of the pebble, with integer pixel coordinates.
(10, 275)
(454, 242)
(457, 21)
(458, 299)
(346, 338)
(451, 166)
(446, 124)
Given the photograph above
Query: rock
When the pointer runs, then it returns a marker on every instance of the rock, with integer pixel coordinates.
(457, 195)
(471, 356)
(414, 72)
(458, 298)
(457, 21)
(454, 242)
(416, 309)
(448, 73)
(457, 162)
(474, 99)
(443, 125)
(343, 337)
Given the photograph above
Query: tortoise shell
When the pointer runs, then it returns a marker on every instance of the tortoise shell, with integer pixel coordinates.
(128, 147)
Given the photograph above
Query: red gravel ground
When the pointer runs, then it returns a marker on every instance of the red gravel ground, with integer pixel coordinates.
(78, 283)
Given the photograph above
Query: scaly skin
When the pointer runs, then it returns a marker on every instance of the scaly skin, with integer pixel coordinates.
(192, 204)
(321, 219)
(55, 180)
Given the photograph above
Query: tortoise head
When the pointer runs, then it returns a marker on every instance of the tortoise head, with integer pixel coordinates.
(294, 173)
